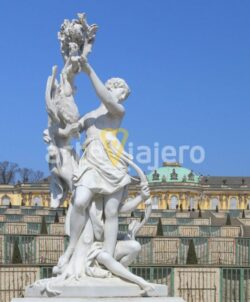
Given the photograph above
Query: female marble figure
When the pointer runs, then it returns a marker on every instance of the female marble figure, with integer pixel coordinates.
(96, 173)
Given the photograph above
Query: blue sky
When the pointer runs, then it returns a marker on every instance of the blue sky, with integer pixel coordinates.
(187, 63)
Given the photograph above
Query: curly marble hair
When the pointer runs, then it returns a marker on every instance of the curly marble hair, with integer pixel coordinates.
(118, 83)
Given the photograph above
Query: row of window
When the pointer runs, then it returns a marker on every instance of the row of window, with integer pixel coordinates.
(174, 201)
(36, 201)
(214, 202)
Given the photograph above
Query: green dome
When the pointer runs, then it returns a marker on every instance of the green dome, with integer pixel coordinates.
(173, 172)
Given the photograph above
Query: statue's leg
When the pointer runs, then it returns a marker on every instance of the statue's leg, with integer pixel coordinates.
(126, 251)
(119, 270)
(111, 206)
(78, 218)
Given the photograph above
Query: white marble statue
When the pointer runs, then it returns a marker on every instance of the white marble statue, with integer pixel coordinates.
(98, 181)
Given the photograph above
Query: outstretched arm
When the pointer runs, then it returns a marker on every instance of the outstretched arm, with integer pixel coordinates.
(106, 97)
(131, 205)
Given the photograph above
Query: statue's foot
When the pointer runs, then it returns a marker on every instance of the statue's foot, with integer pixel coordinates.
(149, 290)
(58, 270)
(64, 259)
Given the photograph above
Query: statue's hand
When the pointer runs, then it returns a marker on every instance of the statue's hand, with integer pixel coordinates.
(72, 129)
(85, 65)
(145, 193)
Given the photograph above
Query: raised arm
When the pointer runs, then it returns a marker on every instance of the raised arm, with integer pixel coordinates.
(106, 97)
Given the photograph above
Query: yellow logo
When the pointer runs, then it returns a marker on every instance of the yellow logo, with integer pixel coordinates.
(111, 143)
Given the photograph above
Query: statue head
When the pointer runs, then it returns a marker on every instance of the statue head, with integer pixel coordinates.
(119, 88)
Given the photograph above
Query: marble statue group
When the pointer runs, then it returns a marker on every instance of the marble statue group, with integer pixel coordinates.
(95, 264)
(98, 180)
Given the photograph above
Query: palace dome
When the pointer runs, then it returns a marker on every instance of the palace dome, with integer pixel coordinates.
(173, 172)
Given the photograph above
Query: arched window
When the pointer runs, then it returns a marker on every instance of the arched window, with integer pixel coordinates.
(214, 203)
(155, 204)
(173, 202)
(233, 203)
(37, 201)
(5, 200)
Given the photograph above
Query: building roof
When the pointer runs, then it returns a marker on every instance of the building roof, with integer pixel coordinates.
(231, 181)
(173, 172)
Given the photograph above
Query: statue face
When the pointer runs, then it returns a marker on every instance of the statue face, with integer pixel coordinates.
(119, 93)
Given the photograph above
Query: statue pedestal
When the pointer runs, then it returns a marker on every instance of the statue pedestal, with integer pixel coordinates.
(91, 289)
(123, 299)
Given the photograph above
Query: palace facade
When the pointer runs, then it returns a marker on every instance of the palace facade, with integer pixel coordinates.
(172, 186)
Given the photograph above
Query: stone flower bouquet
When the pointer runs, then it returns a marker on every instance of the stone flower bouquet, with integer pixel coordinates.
(76, 37)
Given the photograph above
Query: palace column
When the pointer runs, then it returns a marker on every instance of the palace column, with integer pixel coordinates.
(242, 202)
(168, 198)
(163, 201)
(224, 202)
(183, 201)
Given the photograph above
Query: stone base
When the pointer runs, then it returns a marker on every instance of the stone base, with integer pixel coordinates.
(123, 299)
(92, 288)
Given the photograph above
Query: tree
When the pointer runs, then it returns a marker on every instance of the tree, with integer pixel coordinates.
(56, 220)
(16, 256)
(228, 221)
(159, 231)
(243, 214)
(24, 175)
(10, 205)
(44, 230)
(8, 172)
(37, 176)
(191, 255)
(181, 207)
(200, 214)
(217, 209)
(30, 176)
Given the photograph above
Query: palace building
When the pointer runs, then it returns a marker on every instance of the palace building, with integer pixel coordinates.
(196, 240)
(172, 186)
